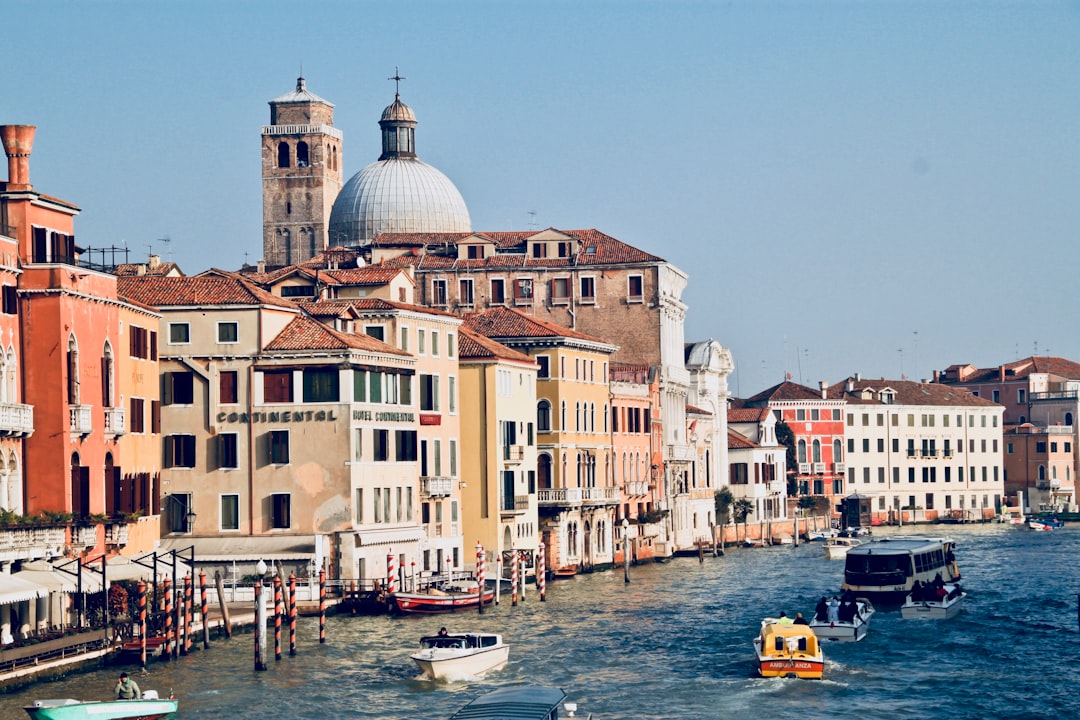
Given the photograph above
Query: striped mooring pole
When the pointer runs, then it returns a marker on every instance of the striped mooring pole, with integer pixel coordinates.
(292, 614)
(481, 571)
(513, 577)
(322, 605)
(142, 621)
(277, 617)
(541, 573)
(391, 573)
(189, 610)
(203, 607)
(168, 618)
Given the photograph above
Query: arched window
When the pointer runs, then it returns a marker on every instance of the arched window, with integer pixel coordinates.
(14, 479)
(579, 470)
(543, 416)
(1042, 472)
(1068, 418)
(283, 154)
(605, 417)
(80, 487)
(802, 451)
(837, 451)
(543, 471)
(592, 417)
(1053, 472)
(562, 425)
(107, 399)
(73, 371)
(508, 538)
(817, 451)
(302, 159)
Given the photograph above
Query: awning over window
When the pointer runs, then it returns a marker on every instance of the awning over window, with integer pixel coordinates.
(271, 548)
(394, 536)
(14, 589)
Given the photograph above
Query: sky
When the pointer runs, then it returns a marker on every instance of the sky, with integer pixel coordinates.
(886, 188)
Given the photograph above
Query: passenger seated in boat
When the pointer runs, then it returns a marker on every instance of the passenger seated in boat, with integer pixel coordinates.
(917, 591)
(784, 619)
(442, 632)
(800, 620)
(126, 688)
(821, 612)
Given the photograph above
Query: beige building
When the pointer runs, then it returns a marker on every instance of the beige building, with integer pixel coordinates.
(498, 445)
(286, 441)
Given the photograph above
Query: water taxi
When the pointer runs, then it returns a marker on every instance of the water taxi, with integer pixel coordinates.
(888, 569)
(150, 707)
(521, 702)
(933, 603)
(850, 625)
(836, 548)
(460, 655)
(788, 650)
(1044, 523)
(458, 595)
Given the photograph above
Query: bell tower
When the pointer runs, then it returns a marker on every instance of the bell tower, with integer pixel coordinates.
(301, 174)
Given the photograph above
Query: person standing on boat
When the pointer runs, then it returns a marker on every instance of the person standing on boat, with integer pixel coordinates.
(834, 609)
(821, 612)
(442, 632)
(126, 688)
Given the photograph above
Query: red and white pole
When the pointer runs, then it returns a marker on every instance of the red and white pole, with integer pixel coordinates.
(481, 571)
(541, 573)
(513, 576)
(391, 573)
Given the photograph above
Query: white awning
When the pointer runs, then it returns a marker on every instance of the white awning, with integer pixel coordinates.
(248, 548)
(142, 567)
(392, 536)
(14, 590)
(66, 572)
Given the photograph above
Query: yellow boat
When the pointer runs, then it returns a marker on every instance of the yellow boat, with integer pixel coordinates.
(788, 650)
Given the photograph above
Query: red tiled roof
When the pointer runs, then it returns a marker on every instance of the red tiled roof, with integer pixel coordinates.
(126, 269)
(367, 275)
(304, 333)
(735, 441)
(747, 415)
(472, 346)
(785, 391)
(369, 304)
(700, 411)
(1061, 367)
(505, 322)
(906, 392)
(200, 290)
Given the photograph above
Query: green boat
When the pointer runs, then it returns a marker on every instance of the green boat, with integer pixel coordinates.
(145, 709)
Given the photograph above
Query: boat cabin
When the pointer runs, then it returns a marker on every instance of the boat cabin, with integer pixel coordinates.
(523, 702)
(460, 641)
(895, 564)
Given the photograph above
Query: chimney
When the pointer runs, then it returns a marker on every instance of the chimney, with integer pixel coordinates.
(858, 377)
(140, 269)
(18, 142)
(849, 386)
(154, 261)
(1001, 373)
(260, 266)
(937, 376)
(824, 389)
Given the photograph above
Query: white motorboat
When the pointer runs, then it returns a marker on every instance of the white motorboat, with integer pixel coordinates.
(837, 548)
(825, 534)
(460, 655)
(849, 625)
(522, 702)
(933, 603)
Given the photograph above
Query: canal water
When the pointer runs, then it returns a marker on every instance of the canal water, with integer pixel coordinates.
(676, 643)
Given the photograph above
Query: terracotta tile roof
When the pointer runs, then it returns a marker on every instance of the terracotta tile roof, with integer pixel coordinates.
(505, 322)
(305, 333)
(126, 269)
(747, 415)
(906, 392)
(699, 411)
(596, 248)
(200, 290)
(369, 304)
(473, 346)
(1058, 366)
(785, 391)
(367, 275)
(735, 441)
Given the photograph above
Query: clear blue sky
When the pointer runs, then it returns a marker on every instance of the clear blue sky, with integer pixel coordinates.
(874, 187)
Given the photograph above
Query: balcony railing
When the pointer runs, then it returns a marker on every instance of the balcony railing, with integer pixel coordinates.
(928, 453)
(31, 542)
(804, 468)
(633, 489)
(513, 453)
(436, 486)
(515, 505)
(601, 494)
(839, 468)
(81, 419)
(115, 421)
(116, 534)
(1064, 395)
(85, 535)
(16, 419)
(819, 468)
(558, 496)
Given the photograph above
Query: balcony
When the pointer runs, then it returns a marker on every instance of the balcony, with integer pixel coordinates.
(16, 420)
(514, 453)
(1048, 484)
(634, 489)
(116, 533)
(436, 486)
(1061, 395)
(839, 468)
(804, 468)
(517, 505)
(115, 421)
(604, 495)
(81, 419)
(928, 453)
(819, 468)
(558, 496)
(28, 543)
(84, 535)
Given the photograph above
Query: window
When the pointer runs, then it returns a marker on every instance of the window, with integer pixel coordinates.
(137, 421)
(434, 343)
(543, 416)
(280, 511)
(438, 292)
(451, 393)
(155, 417)
(376, 331)
(451, 345)
(381, 445)
(277, 386)
(1021, 396)
(465, 292)
(359, 505)
(321, 385)
(405, 338)
(10, 300)
(587, 295)
(498, 291)
(996, 396)
(523, 291)
(360, 386)
(179, 388)
(230, 512)
(227, 393)
(179, 451)
(178, 507)
(560, 291)
(297, 291)
(137, 338)
(545, 366)
(429, 393)
(226, 448)
(421, 342)
(635, 288)
(405, 445)
(179, 333)
(228, 332)
(279, 447)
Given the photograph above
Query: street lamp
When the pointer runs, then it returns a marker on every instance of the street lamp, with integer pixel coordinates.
(260, 568)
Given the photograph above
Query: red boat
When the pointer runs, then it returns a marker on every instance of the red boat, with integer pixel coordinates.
(445, 598)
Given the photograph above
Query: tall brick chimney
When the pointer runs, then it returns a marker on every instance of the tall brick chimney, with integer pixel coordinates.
(18, 142)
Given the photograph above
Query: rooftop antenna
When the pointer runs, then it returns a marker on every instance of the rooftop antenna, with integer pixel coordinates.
(915, 360)
(397, 77)
(166, 240)
(1036, 348)
(900, 351)
(532, 219)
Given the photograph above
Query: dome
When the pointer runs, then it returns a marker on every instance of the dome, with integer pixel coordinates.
(396, 195)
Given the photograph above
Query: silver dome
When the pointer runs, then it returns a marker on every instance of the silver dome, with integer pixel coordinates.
(402, 195)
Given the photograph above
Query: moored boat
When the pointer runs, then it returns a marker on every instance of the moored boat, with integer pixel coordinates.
(150, 707)
(788, 650)
(460, 655)
(836, 548)
(821, 534)
(850, 624)
(888, 569)
(521, 702)
(1044, 523)
(457, 595)
(933, 603)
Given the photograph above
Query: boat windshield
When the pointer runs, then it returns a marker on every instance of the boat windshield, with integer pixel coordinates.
(884, 569)
(456, 643)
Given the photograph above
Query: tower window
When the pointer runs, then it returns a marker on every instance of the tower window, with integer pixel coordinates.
(302, 159)
(283, 155)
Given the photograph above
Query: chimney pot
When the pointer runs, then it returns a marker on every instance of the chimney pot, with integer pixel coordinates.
(18, 142)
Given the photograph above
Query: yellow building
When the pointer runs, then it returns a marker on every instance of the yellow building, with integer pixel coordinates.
(576, 491)
(498, 448)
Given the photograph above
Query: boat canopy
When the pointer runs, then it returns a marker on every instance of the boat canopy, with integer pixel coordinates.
(522, 702)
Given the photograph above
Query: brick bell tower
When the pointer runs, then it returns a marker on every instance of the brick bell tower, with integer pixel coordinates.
(301, 174)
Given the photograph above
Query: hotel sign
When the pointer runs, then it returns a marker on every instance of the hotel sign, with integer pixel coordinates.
(369, 416)
(278, 417)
